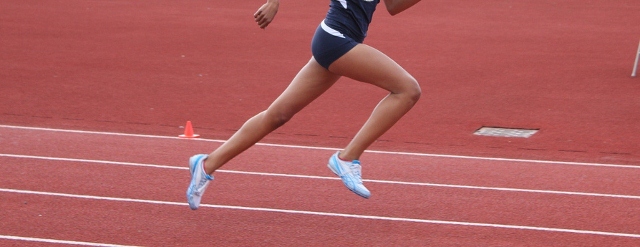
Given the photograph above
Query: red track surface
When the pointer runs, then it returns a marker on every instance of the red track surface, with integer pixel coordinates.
(85, 164)
(148, 67)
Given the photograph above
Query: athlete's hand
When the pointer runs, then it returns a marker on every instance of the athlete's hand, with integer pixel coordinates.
(266, 13)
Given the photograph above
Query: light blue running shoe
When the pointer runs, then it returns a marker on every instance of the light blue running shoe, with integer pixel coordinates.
(350, 173)
(199, 180)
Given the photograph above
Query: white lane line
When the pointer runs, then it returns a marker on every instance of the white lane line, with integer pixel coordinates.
(356, 216)
(57, 241)
(335, 149)
(572, 193)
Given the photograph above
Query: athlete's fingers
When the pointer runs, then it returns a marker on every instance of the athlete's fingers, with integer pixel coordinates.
(264, 24)
(259, 11)
(263, 21)
(259, 18)
(265, 14)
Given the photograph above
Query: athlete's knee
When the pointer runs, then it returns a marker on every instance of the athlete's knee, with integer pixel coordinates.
(415, 92)
(411, 90)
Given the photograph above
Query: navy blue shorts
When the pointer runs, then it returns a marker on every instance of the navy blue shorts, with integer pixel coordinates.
(328, 45)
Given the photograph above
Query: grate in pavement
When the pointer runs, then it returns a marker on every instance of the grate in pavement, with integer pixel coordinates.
(505, 132)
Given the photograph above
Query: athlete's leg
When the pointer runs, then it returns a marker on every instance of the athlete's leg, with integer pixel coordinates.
(366, 64)
(311, 82)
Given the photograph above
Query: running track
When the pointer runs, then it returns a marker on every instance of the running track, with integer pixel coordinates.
(99, 187)
(94, 93)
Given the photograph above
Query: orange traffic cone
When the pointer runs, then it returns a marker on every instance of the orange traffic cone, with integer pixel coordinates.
(188, 131)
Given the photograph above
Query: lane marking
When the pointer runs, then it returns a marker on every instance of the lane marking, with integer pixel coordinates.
(56, 241)
(572, 193)
(303, 212)
(335, 149)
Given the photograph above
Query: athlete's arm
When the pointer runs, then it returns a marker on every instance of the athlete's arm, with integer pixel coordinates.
(396, 6)
(266, 13)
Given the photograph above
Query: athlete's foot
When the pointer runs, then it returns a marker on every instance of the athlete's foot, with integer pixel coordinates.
(199, 180)
(351, 174)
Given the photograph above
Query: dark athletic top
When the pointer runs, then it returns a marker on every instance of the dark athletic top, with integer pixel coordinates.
(351, 17)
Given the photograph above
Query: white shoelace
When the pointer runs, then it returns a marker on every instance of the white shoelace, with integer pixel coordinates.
(357, 171)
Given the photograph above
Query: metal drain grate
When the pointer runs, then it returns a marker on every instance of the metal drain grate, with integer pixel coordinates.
(505, 132)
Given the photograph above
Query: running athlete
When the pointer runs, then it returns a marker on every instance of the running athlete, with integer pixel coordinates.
(338, 51)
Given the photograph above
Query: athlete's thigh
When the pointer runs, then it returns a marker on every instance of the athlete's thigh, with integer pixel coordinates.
(306, 86)
(367, 64)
